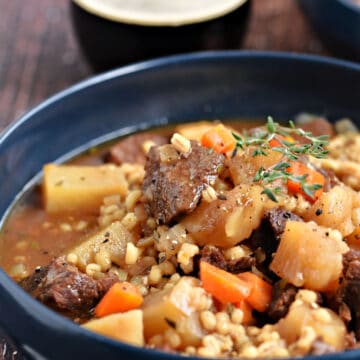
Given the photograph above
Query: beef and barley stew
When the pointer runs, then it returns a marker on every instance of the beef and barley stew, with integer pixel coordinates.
(203, 239)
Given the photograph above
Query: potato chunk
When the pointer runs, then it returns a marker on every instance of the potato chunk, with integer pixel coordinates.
(333, 209)
(304, 312)
(127, 327)
(224, 223)
(69, 188)
(178, 306)
(243, 167)
(113, 240)
(309, 255)
(194, 131)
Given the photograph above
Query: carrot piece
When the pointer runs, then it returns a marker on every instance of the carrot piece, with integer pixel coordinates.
(222, 285)
(120, 297)
(261, 293)
(276, 141)
(297, 168)
(248, 318)
(219, 138)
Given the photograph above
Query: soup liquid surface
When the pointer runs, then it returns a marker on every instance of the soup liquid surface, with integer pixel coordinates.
(31, 237)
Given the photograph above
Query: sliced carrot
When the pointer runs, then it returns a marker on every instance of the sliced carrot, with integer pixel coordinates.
(120, 297)
(222, 285)
(276, 141)
(219, 138)
(261, 293)
(297, 168)
(248, 318)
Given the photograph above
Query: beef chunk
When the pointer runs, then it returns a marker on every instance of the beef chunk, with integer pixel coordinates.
(277, 219)
(130, 149)
(173, 182)
(282, 298)
(349, 290)
(315, 124)
(214, 256)
(240, 265)
(344, 313)
(267, 236)
(350, 341)
(64, 288)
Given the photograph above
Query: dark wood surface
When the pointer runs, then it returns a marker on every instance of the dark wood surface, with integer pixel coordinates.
(39, 55)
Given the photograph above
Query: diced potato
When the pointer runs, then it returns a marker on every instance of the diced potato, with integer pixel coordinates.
(243, 167)
(175, 306)
(326, 324)
(224, 223)
(309, 255)
(190, 329)
(69, 188)
(333, 209)
(171, 240)
(194, 131)
(113, 240)
(127, 327)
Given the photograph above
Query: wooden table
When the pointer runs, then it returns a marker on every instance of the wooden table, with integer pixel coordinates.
(39, 55)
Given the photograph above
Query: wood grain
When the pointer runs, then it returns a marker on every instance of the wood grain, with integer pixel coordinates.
(39, 55)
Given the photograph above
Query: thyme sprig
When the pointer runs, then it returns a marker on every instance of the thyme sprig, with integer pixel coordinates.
(291, 151)
(279, 173)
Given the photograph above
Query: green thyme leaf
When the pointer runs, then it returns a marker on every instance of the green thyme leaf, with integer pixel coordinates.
(291, 150)
(269, 194)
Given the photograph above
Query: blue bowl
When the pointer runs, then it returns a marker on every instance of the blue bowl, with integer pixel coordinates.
(338, 24)
(213, 85)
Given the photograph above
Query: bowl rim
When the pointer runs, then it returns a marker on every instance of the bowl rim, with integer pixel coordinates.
(168, 61)
(350, 5)
(39, 311)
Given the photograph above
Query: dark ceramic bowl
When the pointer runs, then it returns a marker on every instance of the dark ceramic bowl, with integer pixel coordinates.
(107, 41)
(338, 24)
(217, 85)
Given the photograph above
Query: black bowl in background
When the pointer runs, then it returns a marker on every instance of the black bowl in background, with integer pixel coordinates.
(214, 85)
(107, 44)
(338, 24)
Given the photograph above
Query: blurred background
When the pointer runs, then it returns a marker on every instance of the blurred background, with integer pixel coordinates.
(40, 54)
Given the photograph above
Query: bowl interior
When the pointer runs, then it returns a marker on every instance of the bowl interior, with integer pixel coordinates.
(222, 85)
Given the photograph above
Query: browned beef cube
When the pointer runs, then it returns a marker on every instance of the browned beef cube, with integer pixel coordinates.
(130, 149)
(63, 287)
(349, 291)
(173, 182)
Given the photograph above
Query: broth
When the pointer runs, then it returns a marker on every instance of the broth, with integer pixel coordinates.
(31, 237)
(216, 240)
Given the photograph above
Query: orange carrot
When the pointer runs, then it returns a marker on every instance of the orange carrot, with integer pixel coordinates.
(248, 318)
(219, 138)
(261, 293)
(222, 285)
(297, 168)
(276, 141)
(120, 297)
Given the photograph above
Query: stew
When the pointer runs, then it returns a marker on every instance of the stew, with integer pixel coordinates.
(209, 239)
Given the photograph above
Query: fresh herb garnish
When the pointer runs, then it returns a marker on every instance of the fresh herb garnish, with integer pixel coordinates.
(291, 150)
